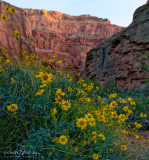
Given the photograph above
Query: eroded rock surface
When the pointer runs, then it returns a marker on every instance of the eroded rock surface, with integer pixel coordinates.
(52, 32)
(68, 36)
(20, 22)
(118, 59)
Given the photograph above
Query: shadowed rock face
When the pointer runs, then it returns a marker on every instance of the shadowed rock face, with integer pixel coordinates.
(52, 32)
(118, 58)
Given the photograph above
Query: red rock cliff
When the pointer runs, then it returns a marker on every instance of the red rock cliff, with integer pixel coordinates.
(20, 22)
(68, 36)
(52, 32)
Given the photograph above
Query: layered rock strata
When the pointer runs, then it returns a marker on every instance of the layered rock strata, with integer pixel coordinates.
(51, 32)
(119, 60)
(68, 36)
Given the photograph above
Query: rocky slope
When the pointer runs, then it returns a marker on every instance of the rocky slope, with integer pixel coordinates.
(20, 22)
(52, 32)
(119, 59)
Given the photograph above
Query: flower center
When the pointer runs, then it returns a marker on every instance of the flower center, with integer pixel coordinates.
(81, 122)
(59, 99)
(45, 77)
(66, 103)
(12, 107)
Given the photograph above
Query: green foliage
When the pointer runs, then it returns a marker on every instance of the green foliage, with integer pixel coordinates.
(34, 128)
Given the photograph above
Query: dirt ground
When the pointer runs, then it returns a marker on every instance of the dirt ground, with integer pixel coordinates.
(143, 153)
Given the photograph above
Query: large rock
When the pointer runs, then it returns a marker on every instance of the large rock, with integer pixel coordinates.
(119, 59)
(20, 22)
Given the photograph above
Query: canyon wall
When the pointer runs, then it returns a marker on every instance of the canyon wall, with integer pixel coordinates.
(119, 60)
(51, 32)
(68, 36)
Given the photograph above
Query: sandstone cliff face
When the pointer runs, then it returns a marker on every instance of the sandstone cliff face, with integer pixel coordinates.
(67, 36)
(51, 32)
(20, 22)
(118, 58)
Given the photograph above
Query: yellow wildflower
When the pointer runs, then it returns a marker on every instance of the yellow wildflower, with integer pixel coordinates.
(51, 60)
(102, 136)
(54, 56)
(113, 104)
(81, 123)
(97, 88)
(87, 99)
(92, 123)
(46, 78)
(88, 117)
(39, 74)
(69, 89)
(125, 108)
(94, 134)
(114, 114)
(69, 78)
(76, 149)
(12, 80)
(56, 140)
(122, 117)
(40, 91)
(43, 85)
(95, 156)
(63, 140)
(137, 137)
(60, 72)
(138, 125)
(13, 108)
(50, 153)
(16, 33)
(101, 118)
(53, 111)
(12, 10)
(132, 102)
(59, 100)
(99, 97)
(4, 18)
(59, 62)
(59, 92)
(123, 147)
(129, 111)
(141, 115)
(66, 105)
(114, 95)
(6, 9)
